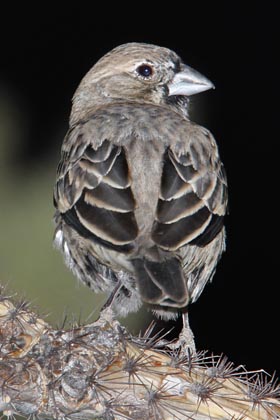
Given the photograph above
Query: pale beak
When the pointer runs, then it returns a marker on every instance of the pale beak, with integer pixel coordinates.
(189, 82)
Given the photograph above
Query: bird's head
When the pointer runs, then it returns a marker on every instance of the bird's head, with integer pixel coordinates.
(138, 72)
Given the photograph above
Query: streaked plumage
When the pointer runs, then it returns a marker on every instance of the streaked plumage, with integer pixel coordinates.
(141, 192)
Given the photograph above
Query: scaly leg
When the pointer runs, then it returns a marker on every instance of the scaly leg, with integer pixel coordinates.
(113, 294)
(185, 341)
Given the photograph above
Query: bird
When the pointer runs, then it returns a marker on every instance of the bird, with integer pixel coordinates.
(141, 191)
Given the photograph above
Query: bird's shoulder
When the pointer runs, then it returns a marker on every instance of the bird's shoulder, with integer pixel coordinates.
(117, 122)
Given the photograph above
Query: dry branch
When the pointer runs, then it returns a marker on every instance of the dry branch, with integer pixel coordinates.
(100, 371)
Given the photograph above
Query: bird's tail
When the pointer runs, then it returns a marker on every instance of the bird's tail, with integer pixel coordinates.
(161, 283)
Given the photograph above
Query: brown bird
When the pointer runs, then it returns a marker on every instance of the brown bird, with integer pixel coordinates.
(141, 192)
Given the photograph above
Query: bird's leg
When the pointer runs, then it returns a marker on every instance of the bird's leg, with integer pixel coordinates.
(113, 294)
(107, 314)
(106, 311)
(186, 334)
(185, 341)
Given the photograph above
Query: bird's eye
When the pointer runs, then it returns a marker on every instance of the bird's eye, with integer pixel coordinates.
(145, 70)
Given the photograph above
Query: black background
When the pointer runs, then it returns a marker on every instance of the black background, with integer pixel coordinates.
(45, 52)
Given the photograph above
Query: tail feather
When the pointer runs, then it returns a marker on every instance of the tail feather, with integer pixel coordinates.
(161, 283)
(149, 291)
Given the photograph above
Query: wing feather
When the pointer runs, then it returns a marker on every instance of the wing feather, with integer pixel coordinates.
(93, 191)
(193, 197)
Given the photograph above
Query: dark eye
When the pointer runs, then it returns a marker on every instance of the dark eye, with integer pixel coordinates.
(145, 70)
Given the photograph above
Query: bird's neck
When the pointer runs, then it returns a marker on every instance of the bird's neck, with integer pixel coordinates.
(84, 105)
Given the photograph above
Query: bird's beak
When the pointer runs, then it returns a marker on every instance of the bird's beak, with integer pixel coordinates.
(189, 82)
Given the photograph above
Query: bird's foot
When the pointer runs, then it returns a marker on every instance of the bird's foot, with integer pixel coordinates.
(185, 341)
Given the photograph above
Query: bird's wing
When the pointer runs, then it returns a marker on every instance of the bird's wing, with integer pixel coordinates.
(193, 197)
(92, 192)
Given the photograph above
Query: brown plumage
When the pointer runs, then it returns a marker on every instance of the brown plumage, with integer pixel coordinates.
(141, 192)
